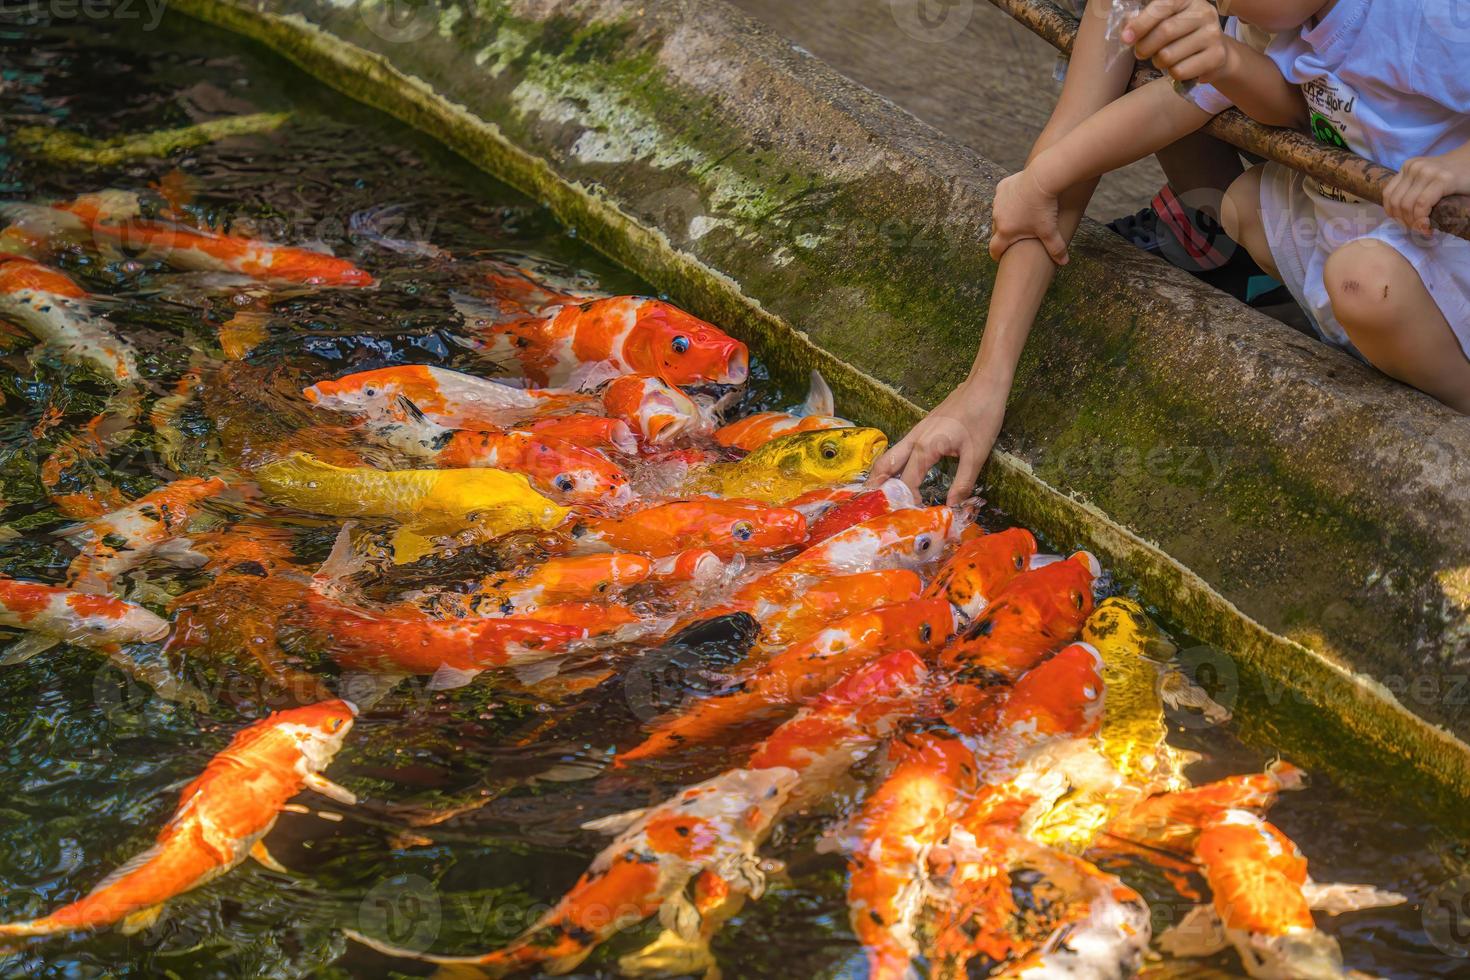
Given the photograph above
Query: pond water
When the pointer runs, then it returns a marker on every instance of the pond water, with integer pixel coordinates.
(461, 839)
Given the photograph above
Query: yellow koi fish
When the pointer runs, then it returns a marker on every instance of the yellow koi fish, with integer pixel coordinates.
(789, 466)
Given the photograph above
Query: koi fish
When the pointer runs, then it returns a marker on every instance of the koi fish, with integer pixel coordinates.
(53, 309)
(982, 567)
(726, 527)
(426, 502)
(657, 411)
(404, 640)
(56, 615)
(803, 671)
(554, 466)
(449, 398)
(560, 580)
(115, 543)
(696, 565)
(223, 816)
(810, 608)
(592, 618)
(891, 496)
(815, 414)
(647, 869)
(789, 466)
(589, 431)
(623, 335)
(199, 250)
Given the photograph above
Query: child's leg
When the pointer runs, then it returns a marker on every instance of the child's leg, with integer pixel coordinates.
(1382, 304)
(1200, 169)
(1241, 215)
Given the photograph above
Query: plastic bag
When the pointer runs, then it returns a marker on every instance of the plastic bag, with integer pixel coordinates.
(1119, 15)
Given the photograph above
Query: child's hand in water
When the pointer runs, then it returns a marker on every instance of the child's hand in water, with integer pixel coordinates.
(1181, 37)
(1024, 209)
(1422, 183)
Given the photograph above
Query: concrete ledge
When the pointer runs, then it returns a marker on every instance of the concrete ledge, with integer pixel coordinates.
(1274, 497)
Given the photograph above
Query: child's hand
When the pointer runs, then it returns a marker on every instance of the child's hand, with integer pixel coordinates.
(1024, 209)
(1181, 37)
(1422, 183)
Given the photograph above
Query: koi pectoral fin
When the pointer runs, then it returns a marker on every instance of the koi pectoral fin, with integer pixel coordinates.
(140, 920)
(321, 784)
(1179, 693)
(27, 647)
(264, 858)
(1199, 933)
(1335, 898)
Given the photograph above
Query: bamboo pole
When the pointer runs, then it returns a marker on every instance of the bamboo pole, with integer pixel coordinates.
(1339, 168)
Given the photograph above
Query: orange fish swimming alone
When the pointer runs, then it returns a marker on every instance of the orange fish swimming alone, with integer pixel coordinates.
(623, 335)
(222, 817)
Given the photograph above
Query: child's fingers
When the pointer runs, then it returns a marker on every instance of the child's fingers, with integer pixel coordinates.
(891, 462)
(1426, 197)
(1175, 29)
(965, 476)
(919, 463)
(1056, 246)
(1195, 66)
(1151, 17)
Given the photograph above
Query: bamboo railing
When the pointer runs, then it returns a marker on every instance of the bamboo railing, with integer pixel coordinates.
(1337, 167)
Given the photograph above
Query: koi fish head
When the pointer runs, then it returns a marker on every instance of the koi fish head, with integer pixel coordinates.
(590, 431)
(657, 411)
(1121, 630)
(981, 567)
(726, 527)
(578, 474)
(369, 391)
(319, 730)
(915, 537)
(1057, 597)
(830, 457)
(920, 624)
(316, 268)
(1063, 696)
(683, 349)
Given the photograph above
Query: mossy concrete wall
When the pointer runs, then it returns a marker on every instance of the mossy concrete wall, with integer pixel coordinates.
(1274, 497)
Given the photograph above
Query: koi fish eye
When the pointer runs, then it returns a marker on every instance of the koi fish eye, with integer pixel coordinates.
(743, 531)
(370, 391)
(335, 724)
(1020, 562)
(923, 543)
(564, 483)
(925, 633)
(680, 344)
(1077, 602)
(829, 450)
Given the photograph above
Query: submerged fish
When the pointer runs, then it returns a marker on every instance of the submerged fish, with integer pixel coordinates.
(815, 414)
(221, 820)
(789, 466)
(589, 431)
(449, 398)
(152, 525)
(426, 502)
(726, 527)
(622, 335)
(559, 580)
(54, 310)
(712, 826)
(53, 614)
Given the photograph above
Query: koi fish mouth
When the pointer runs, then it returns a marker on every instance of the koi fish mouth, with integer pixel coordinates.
(737, 369)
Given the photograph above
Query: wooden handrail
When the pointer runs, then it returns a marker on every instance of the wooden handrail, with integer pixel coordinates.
(1339, 168)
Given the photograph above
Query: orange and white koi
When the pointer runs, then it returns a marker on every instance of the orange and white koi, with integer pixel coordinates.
(982, 567)
(815, 414)
(655, 410)
(620, 335)
(801, 672)
(560, 580)
(891, 496)
(554, 466)
(713, 826)
(807, 610)
(54, 309)
(588, 431)
(151, 526)
(593, 618)
(53, 614)
(223, 816)
(726, 527)
(449, 398)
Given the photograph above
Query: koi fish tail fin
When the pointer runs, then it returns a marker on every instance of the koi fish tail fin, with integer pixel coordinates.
(1334, 898)
(378, 225)
(343, 561)
(109, 205)
(1287, 776)
(819, 398)
(455, 967)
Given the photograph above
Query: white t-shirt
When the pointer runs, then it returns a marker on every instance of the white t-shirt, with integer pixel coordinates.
(1211, 99)
(1388, 80)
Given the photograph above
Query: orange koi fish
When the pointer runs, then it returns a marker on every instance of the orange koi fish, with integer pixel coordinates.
(726, 527)
(449, 398)
(151, 526)
(913, 809)
(198, 250)
(54, 310)
(593, 618)
(891, 496)
(697, 565)
(221, 820)
(815, 414)
(803, 671)
(560, 580)
(712, 826)
(656, 411)
(54, 615)
(808, 609)
(589, 431)
(554, 466)
(622, 335)
(404, 640)
(981, 567)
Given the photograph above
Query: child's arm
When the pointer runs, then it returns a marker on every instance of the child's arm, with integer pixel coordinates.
(1422, 183)
(1140, 123)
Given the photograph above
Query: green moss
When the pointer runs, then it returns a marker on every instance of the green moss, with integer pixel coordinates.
(64, 147)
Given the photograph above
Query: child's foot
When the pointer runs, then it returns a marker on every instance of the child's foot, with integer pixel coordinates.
(1193, 241)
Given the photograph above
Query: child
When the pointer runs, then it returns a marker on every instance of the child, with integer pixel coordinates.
(1376, 78)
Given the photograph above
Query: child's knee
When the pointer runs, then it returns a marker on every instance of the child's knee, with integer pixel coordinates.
(1240, 214)
(1368, 284)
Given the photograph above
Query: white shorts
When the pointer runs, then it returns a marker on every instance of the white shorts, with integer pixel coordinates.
(1304, 227)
